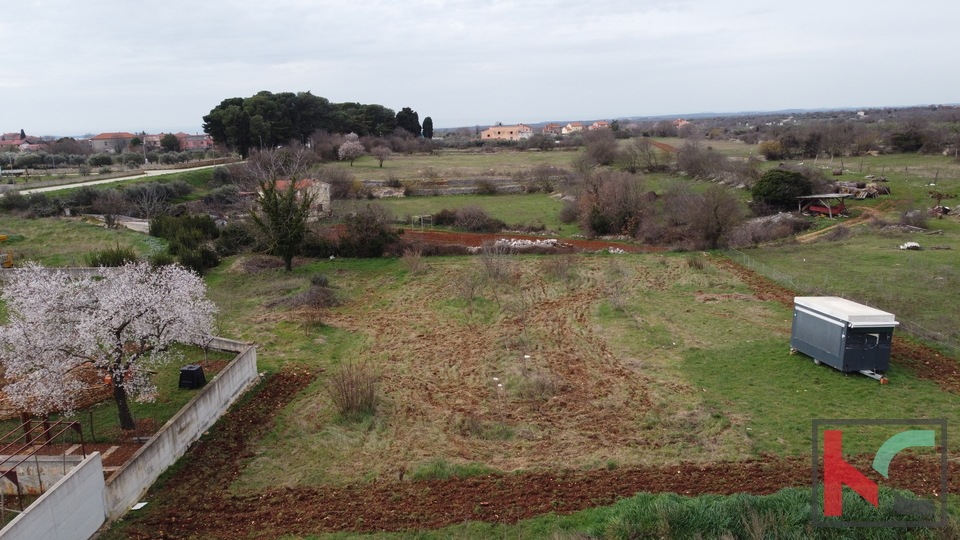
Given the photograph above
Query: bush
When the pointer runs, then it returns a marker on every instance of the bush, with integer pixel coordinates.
(169, 227)
(353, 390)
(223, 196)
(199, 260)
(780, 188)
(320, 280)
(235, 237)
(99, 160)
(368, 233)
(445, 218)
(486, 187)
(475, 219)
(220, 176)
(114, 257)
(14, 200)
(568, 212)
(162, 259)
(914, 218)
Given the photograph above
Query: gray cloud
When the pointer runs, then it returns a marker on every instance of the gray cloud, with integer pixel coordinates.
(104, 65)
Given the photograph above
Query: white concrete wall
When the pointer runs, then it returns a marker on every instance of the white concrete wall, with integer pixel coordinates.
(125, 487)
(72, 510)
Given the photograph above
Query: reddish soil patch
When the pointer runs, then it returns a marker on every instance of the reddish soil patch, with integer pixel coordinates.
(447, 238)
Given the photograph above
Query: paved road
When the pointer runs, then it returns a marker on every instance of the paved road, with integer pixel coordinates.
(153, 172)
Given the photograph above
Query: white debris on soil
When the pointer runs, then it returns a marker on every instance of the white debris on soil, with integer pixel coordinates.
(519, 243)
(613, 251)
(911, 245)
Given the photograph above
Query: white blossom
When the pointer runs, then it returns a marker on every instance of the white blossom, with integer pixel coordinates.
(123, 322)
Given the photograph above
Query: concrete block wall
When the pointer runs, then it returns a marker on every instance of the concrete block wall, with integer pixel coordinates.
(38, 473)
(73, 509)
(126, 486)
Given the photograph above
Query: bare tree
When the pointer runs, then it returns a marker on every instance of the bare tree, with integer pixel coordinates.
(601, 146)
(149, 203)
(712, 215)
(262, 165)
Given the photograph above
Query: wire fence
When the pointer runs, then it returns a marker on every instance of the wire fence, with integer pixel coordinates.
(942, 339)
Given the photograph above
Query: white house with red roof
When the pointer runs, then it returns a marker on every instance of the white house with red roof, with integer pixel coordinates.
(111, 143)
(572, 127)
(599, 124)
(319, 190)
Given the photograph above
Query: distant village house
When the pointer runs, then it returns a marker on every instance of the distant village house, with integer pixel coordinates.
(507, 133)
(320, 191)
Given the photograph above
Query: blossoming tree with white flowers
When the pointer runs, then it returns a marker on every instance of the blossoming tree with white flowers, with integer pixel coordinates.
(122, 321)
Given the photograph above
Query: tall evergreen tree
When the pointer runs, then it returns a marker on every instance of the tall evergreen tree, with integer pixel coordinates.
(428, 128)
(409, 120)
(283, 218)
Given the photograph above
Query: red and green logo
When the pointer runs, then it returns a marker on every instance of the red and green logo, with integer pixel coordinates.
(838, 472)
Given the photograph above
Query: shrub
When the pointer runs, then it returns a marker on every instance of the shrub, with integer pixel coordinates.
(772, 150)
(353, 390)
(445, 218)
(113, 257)
(568, 212)
(99, 160)
(486, 187)
(235, 237)
(162, 259)
(169, 227)
(368, 233)
(412, 260)
(199, 260)
(14, 200)
(475, 219)
(914, 218)
(780, 188)
(320, 280)
(223, 196)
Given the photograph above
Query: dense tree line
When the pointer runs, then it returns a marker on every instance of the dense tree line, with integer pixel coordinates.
(267, 120)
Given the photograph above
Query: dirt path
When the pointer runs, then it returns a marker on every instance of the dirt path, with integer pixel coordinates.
(867, 213)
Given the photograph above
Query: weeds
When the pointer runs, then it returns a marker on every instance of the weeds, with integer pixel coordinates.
(353, 389)
(441, 469)
(538, 386)
(695, 261)
(412, 260)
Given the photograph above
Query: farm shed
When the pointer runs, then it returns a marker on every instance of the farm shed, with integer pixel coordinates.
(843, 334)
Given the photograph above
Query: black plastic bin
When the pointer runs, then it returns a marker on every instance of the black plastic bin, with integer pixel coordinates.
(191, 377)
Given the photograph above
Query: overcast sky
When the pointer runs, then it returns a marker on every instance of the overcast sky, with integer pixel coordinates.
(73, 67)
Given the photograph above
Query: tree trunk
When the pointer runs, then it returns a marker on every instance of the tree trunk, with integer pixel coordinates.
(123, 408)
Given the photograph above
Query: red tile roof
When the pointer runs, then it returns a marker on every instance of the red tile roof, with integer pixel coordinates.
(119, 135)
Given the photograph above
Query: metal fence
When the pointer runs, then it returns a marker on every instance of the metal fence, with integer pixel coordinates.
(910, 327)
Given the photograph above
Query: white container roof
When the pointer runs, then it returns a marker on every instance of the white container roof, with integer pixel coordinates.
(856, 315)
